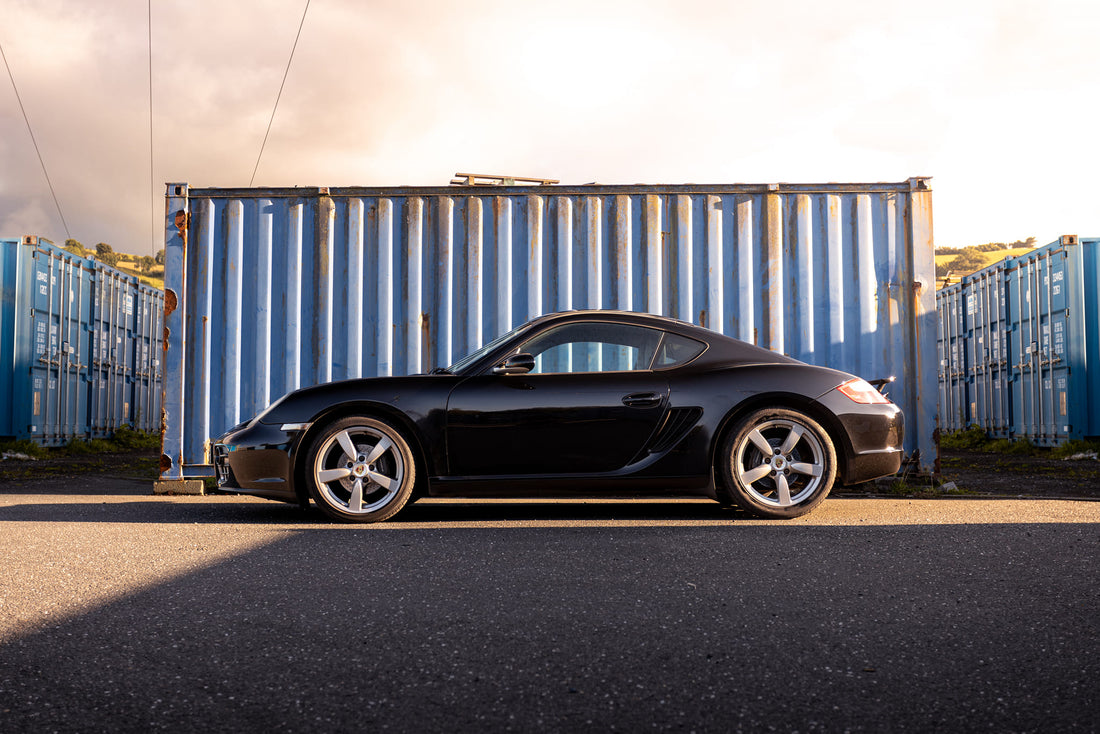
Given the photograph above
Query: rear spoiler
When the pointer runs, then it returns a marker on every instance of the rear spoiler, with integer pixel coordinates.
(881, 383)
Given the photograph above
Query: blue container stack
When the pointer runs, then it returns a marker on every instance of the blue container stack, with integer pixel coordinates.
(80, 346)
(1019, 346)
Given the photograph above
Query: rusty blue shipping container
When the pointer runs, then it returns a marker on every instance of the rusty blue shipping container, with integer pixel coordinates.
(1019, 346)
(268, 290)
(75, 360)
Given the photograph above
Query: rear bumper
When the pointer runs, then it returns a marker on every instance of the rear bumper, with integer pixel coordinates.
(874, 436)
(871, 465)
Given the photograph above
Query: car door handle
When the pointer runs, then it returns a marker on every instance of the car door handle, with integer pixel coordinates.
(641, 399)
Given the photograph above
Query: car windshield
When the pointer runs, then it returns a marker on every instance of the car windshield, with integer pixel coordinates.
(469, 359)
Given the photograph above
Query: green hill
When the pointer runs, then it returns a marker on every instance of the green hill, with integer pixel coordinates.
(144, 267)
(952, 263)
(130, 264)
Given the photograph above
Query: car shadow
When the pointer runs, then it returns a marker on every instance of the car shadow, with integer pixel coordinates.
(230, 509)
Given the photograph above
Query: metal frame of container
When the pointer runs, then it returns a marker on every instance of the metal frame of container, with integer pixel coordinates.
(9, 279)
(67, 333)
(1031, 331)
(268, 290)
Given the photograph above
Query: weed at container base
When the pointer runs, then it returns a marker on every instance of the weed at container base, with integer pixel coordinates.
(131, 440)
(1076, 448)
(23, 448)
(125, 439)
(1016, 447)
(972, 439)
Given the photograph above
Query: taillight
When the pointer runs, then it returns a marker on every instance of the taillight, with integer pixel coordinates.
(862, 392)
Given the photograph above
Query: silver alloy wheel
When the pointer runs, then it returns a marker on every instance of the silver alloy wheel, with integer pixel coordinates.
(359, 469)
(780, 462)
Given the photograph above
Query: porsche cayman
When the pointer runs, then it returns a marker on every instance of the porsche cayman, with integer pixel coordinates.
(584, 402)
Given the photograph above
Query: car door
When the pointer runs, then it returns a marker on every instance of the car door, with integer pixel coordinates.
(589, 406)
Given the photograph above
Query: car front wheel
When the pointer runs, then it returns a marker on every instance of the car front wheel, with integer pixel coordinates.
(360, 470)
(778, 463)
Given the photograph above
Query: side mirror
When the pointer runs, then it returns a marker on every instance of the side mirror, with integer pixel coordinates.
(517, 364)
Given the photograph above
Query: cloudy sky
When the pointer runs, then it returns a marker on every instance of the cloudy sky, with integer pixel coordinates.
(996, 100)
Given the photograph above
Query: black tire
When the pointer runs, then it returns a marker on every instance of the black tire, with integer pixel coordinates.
(370, 486)
(789, 480)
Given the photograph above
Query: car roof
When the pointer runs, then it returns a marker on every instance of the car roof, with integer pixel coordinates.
(723, 349)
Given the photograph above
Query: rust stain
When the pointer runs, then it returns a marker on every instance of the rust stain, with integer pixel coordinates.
(165, 463)
(164, 343)
(703, 318)
(426, 341)
(182, 221)
(171, 302)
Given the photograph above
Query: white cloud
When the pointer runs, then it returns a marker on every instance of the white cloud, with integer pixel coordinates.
(993, 99)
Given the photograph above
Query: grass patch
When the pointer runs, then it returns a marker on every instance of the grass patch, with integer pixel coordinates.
(131, 440)
(84, 447)
(125, 440)
(972, 439)
(1070, 448)
(23, 446)
(930, 489)
(1010, 446)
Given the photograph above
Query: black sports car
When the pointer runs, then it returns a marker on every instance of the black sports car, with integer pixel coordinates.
(576, 402)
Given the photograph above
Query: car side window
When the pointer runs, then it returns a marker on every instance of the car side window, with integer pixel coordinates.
(676, 349)
(593, 347)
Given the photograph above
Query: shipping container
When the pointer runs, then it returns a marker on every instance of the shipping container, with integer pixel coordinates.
(269, 290)
(68, 340)
(1027, 345)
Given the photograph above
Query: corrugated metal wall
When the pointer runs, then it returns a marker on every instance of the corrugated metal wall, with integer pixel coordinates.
(1018, 345)
(80, 346)
(269, 290)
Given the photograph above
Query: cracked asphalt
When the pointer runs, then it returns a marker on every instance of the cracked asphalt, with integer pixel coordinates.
(121, 611)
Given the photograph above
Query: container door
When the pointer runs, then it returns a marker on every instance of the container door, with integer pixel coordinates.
(954, 402)
(1042, 403)
(55, 324)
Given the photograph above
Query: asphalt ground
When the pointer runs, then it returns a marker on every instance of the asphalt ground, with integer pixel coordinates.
(122, 611)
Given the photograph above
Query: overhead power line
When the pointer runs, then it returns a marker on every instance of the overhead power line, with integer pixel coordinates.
(279, 96)
(152, 190)
(36, 150)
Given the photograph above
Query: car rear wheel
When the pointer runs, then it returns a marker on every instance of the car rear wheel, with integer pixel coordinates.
(778, 463)
(360, 470)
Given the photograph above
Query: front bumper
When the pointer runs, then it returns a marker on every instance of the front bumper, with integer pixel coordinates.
(258, 460)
